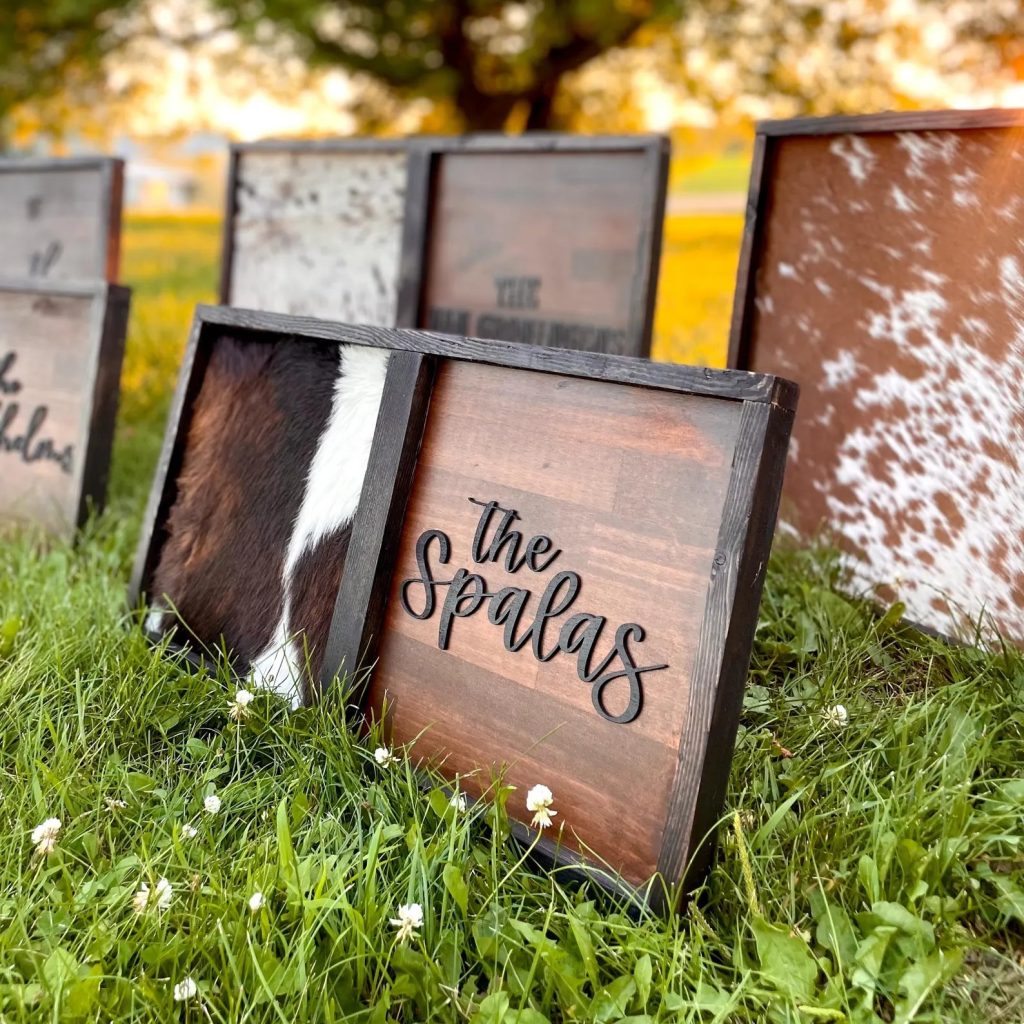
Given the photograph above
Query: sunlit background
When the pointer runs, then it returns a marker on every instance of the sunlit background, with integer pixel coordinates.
(167, 83)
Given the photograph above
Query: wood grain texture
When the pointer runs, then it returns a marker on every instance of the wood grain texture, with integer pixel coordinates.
(549, 248)
(317, 230)
(62, 219)
(630, 484)
(886, 276)
(60, 359)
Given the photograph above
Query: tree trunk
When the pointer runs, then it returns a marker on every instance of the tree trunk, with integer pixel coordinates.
(542, 109)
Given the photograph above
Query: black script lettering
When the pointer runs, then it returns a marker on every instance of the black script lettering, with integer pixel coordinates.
(466, 593)
(578, 635)
(503, 536)
(8, 385)
(26, 444)
(630, 670)
(426, 578)
(506, 609)
(42, 262)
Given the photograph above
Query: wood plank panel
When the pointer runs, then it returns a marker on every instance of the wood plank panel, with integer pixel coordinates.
(535, 448)
(546, 248)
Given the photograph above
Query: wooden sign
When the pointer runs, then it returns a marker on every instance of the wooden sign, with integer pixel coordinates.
(882, 269)
(544, 239)
(61, 348)
(554, 558)
(62, 218)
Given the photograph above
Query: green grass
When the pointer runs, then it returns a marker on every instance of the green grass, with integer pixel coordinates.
(867, 872)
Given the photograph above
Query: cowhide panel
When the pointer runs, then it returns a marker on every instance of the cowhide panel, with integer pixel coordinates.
(273, 466)
(888, 280)
(318, 233)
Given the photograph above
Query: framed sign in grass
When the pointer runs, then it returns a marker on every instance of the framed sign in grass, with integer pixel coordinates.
(882, 269)
(553, 559)
(61, 347)
(544, 239)
(62, 218)
(550, 240)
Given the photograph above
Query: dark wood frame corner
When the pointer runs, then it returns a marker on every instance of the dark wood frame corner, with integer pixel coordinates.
(768, 133)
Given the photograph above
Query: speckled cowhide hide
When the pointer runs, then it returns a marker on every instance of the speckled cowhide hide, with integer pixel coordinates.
(275, 455)
(890, 284)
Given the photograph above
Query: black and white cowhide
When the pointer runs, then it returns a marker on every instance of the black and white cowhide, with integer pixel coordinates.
(256, 540)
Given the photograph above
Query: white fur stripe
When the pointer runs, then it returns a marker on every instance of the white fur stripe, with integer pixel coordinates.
(333, 486)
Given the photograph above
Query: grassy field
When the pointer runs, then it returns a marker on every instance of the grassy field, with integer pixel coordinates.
(871, 867)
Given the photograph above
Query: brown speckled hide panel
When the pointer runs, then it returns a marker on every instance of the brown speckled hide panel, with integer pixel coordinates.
(889, 282)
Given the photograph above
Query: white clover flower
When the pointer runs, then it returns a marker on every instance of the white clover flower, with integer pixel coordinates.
(189, 831)
(384, 757)
(409, 920)
(114, 804)
(256, 901)
(837, 716)
(211, 804)
(458, 801)
(239, 707)
(539, 801)
(45, 836)
(185, 990)
(158, 898)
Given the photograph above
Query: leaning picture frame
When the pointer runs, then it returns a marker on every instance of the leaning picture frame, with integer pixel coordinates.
(655, 485)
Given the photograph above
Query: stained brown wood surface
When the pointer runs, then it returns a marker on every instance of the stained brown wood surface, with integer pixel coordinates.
(883, 272)
(548, 248)
(629, 483)
(60, 359)
(61, 219)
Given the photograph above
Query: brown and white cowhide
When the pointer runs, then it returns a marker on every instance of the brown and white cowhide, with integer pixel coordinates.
(275, 456)
(890, 284)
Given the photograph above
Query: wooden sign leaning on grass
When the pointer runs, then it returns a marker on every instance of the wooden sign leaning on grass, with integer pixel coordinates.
(551, 559)
(61, 348)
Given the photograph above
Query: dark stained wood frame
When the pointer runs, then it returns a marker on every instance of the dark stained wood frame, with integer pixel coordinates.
(108, 328)
(111, 171)
(423, 154)
(737, 573)
(767, 132)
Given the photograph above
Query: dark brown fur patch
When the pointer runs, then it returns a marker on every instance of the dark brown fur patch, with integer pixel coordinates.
(254, 429)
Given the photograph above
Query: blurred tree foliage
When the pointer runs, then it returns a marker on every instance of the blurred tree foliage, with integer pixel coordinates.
(48, 45)
(485, 60)
(521, 64)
